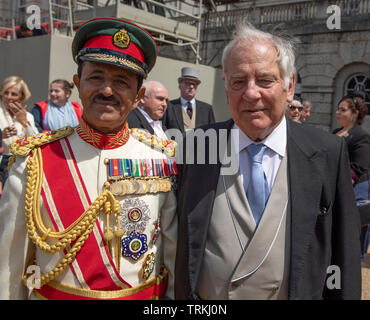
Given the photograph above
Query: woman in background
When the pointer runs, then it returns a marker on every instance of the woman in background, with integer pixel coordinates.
(350, 116)
(15, 121)
(58, 111)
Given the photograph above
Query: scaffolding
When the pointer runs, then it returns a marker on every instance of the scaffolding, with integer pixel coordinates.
(171, 22)
(61, 13)
(167, 21)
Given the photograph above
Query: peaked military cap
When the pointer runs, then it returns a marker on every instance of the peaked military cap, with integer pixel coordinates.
(116, 42)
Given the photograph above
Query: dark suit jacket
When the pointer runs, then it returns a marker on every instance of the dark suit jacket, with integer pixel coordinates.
(173, 116)
(325, 224)
(136, 119)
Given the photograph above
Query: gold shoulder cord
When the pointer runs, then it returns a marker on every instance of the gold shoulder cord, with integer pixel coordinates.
(167, 146)
(80, 229)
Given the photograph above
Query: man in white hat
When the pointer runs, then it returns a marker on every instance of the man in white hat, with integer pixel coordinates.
(186, 112)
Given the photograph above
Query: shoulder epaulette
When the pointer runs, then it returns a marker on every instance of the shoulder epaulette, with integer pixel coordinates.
(23, 146)
(167, 146)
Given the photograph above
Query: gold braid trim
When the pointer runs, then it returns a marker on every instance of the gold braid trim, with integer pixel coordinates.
(80, 229)
(102, 294)
(114, 59)
(167, 146)
(22, 147)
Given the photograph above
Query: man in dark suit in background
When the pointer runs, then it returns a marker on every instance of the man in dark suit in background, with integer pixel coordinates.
(283, 224)
(186, 112)
(151, 109)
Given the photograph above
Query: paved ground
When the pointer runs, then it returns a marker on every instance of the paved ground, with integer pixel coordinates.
(366, 277)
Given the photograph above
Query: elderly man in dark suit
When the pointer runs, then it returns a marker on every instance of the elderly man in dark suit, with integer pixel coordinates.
(187, 112)
(285, 225)
(151, 109)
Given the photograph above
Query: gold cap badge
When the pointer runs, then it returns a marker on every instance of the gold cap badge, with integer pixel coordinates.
(121, 39)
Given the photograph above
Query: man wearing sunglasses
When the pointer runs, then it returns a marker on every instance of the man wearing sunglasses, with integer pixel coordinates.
(294, 111)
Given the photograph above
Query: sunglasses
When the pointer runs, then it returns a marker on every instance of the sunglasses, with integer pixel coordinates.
(292, 108)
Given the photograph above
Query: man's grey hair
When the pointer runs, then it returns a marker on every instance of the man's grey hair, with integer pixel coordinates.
(246, 32)
(148, 85)
(295, 103)
(306, 103)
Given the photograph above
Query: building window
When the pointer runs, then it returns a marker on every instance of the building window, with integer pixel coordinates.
(359, 83)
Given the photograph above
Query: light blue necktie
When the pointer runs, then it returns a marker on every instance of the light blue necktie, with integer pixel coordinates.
(257, 191)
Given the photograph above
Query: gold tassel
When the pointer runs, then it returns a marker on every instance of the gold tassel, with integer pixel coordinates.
(118, 233)
(108, 234)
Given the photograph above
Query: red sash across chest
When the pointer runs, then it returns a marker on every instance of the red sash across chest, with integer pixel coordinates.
(66, 198)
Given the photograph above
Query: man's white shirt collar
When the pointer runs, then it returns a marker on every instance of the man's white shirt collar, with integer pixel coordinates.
(275, 141)
(184, 102)
(155, 124)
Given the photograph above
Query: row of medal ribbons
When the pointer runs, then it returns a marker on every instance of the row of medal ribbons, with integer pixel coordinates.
(119, 168)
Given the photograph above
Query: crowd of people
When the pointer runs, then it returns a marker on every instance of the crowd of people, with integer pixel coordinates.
(17, 122)
(97, 187)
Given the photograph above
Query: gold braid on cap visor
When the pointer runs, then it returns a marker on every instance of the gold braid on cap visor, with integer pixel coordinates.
(114, 59)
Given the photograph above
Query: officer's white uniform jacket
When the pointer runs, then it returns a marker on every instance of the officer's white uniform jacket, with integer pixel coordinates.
(18, 249)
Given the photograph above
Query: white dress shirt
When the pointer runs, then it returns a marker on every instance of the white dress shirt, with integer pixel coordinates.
(274, 153)
(156, 125)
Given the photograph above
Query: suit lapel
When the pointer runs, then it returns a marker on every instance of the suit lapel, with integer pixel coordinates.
(199, 113)
(205, 178)
(304, 161)
(146, 125)
(264, 236)
(177, 109)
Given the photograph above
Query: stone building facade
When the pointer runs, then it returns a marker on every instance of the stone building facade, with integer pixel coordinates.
(333, 53)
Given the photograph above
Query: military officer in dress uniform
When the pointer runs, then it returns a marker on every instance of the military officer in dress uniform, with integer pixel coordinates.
(89, 213)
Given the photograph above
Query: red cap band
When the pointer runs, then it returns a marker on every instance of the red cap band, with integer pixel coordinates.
(105, 41)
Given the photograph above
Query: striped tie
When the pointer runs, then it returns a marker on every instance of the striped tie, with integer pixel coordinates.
(189, 109)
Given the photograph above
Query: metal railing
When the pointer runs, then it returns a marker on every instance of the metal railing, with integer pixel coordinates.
(86, 4)
(300, 11)
(61, 13)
